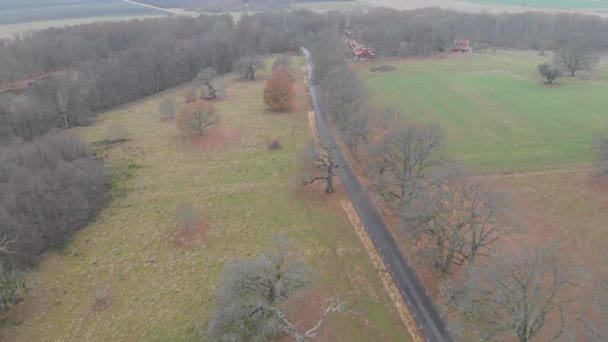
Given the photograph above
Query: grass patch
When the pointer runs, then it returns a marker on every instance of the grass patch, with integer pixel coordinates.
(496, 113)
(23, 11)
(243, 192)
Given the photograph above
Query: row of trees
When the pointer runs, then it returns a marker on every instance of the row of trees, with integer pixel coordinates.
(455, 221)
(185, 45)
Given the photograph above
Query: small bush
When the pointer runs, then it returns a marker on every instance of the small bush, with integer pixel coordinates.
(190, 94)
(549, 73)
(186, 218)
(11, 291)
(168, 107)
(115, 134)
(601, 148)
(383, 68)
(275, 145)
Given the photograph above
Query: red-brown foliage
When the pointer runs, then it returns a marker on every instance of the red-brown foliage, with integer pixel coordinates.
(195, 117)
(279, 93)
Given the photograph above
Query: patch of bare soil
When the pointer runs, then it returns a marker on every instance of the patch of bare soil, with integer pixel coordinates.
(102, 299)
(187, 235)
(216, 137)
(305, 309)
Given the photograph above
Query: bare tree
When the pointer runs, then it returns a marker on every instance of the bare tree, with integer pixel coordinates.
(196, 117)
(549, 73)
(319, 162)
(356, 128)
(385, 119)
(247, 66)
(457, 218)
(5, 244)
(283, 61)
(403, 158)
(576, 55)
(291, 329)
(250, 291)
(168, 107)
(518, 295)
(205, 80)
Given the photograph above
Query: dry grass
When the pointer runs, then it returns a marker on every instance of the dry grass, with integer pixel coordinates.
(120, 279)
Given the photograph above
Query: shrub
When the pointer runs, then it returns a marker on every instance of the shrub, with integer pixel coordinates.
(549, 73)
(279, 93)
(601, 148)
(282, 62)
(116, 133)
(383, 68)
(168, 107)
(275, 145)
(195, 117)
(190, 94)
(186, 217)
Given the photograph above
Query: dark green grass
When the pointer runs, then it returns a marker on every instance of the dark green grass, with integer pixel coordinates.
(21, 11)
(495, 112)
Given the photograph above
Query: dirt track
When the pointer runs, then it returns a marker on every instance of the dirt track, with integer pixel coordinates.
(473, 7)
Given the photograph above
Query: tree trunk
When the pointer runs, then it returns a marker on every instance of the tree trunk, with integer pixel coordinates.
(212, 93)
(330, 182)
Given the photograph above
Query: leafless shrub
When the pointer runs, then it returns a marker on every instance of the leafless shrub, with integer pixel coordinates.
(275, 145)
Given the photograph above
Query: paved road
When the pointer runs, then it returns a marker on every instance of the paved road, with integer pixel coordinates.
(421, 305)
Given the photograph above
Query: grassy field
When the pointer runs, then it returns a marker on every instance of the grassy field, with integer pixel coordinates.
(23, 11)
(560, 4)
(496, 113)
(161, 290)
(8, 30)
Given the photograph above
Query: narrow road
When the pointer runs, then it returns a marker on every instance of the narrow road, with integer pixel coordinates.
(154, 7)
(432, 325)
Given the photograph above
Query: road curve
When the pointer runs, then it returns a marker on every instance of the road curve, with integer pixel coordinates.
(430, 322)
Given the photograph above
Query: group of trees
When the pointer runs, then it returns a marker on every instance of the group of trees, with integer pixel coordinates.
(253, 294)
(454, 219)
(574, 56)
(49, 187)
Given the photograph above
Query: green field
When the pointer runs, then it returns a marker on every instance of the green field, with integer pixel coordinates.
(244, 194)
(496, 113)
(561, 4)
(22, 11)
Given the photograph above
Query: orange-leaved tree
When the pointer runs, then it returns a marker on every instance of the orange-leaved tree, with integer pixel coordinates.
(279, 93)
(195, 117)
